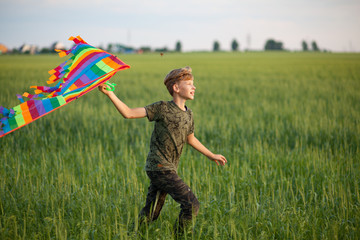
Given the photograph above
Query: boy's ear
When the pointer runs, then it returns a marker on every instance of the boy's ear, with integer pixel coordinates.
(176, 88)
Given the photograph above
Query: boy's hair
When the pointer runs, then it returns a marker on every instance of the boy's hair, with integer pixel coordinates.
(176, 75)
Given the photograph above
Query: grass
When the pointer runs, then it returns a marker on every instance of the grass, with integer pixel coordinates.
(288, 123)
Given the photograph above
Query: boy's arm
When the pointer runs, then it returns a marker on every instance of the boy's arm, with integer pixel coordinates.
(123, 109)
(195, 143)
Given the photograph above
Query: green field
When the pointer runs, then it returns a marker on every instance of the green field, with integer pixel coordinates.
(288, 123)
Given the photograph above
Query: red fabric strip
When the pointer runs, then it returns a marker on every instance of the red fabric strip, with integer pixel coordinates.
(32, 109)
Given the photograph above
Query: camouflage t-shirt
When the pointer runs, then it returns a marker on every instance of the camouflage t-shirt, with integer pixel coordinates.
(172, 126)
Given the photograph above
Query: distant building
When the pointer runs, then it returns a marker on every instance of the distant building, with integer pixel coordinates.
(124, 49)
(30, 49)
(119, 48)
(3, 49)
(58, 45)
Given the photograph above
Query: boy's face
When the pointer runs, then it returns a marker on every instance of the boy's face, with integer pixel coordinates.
(185, 89)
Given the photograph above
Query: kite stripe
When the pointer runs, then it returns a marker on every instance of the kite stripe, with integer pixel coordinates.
(85, 70)
(81, 69)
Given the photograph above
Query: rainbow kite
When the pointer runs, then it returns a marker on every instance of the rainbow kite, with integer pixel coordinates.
(85, 70)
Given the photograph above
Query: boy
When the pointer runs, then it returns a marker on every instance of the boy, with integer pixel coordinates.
(174, 126)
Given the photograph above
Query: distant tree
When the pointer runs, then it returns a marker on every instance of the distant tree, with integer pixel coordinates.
(15, 51)
(45, 51)
(314, 46)
(216, 46)
(161, 49)
(110, 47)
(234, 45)
(304, 46)
(145, 49)
(178, 46)
(271, 44)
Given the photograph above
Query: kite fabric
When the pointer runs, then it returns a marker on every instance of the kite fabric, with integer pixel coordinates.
(85, 70)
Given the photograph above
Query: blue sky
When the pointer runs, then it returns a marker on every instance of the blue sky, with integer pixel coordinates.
(333, 24)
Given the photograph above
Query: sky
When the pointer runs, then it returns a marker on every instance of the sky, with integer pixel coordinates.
(333, 24)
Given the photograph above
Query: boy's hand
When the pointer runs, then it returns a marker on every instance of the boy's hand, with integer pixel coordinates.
(218, 158)
(195, 143)
(102, 88)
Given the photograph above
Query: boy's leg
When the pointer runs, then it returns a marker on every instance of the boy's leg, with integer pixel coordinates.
(155, 200)
(172, 184)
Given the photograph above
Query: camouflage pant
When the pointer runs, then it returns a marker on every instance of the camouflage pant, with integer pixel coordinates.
(168, 182)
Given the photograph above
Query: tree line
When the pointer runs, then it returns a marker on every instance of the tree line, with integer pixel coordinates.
(270, 45)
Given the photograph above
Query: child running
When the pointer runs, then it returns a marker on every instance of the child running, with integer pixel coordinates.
(174, 126)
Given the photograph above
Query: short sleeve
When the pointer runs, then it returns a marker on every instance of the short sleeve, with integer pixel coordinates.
(192, 125)
(153, 110)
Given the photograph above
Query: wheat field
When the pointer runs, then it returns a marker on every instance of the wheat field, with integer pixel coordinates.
(288, 123)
